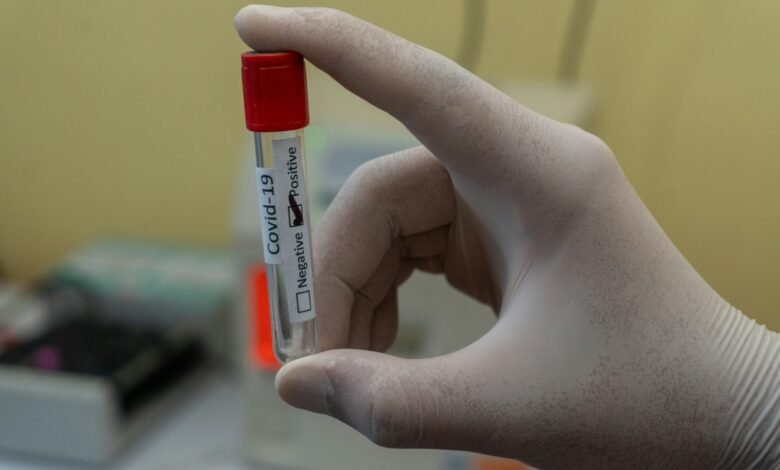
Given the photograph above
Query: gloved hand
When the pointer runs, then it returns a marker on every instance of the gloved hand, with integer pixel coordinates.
(610, 351)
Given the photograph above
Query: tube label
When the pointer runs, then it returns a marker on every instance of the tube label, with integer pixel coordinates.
(267, 187)
(284, 213)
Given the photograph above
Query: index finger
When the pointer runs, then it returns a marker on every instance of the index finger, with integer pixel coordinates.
(452, 112)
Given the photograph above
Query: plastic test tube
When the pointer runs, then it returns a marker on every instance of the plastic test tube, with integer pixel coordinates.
(276, 109)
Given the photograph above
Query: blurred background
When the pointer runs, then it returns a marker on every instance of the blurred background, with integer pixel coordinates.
(124, 120)
(125, 117)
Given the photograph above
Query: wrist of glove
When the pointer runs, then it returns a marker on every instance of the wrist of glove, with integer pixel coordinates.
(750, 358)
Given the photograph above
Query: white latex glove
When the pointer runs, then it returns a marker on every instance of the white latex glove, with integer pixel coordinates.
(610, 351)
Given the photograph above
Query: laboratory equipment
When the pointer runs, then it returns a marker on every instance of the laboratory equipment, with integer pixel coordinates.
(276, 109)
(87, 384)
(151, 282)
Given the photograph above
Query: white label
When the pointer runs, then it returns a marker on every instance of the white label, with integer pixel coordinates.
(270, 222)
(284, 213)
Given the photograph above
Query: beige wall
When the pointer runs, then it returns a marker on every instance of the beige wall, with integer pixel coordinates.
(125, 117)
(690, 102)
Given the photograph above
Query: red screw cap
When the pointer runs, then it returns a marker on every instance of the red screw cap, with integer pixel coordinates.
(274, 91)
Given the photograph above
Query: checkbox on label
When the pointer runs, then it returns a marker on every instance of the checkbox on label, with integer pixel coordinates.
(303, 299)
(295, 215)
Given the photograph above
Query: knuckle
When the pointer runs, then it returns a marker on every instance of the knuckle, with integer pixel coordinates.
(582, 169)
(363, 183)
(366, 172)
(392, 174)
(593, 148)
(372, 178)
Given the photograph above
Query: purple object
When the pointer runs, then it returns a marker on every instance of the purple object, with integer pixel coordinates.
(47, 358)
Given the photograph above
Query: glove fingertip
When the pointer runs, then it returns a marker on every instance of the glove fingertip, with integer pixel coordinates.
(304, 384)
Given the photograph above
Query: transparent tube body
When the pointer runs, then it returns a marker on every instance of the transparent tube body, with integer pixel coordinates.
(283, 201)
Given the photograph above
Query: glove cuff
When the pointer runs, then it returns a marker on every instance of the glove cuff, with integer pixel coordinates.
(751, 354)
